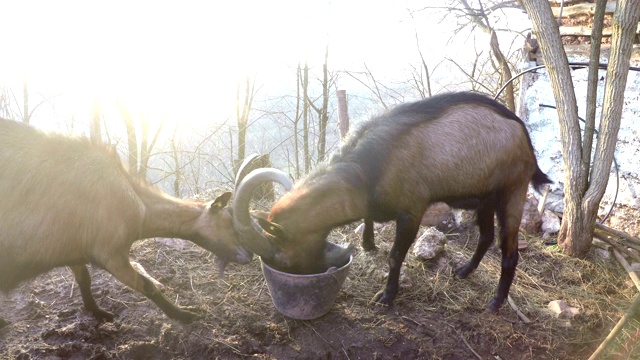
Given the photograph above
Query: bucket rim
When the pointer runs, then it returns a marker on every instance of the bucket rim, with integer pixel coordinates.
(274, 270)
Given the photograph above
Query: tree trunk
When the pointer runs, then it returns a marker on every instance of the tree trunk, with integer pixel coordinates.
(296, 120)
(574, 236)
(580, 207)
(95, 131)
(343, 113)
(323, 115)
(242, 115)
(625, 20)
(504, 70)
(305, 118)
(592, 89)
(25, 102)
(176, 160)
(132, 141)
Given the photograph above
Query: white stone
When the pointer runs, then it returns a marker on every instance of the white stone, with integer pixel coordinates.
(562, 310)
(429, 244)
(550, 223)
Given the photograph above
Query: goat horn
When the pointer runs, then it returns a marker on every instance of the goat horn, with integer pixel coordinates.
(244, 165)
(250, 232)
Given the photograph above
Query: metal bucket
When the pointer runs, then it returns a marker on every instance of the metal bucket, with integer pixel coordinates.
(305, 297)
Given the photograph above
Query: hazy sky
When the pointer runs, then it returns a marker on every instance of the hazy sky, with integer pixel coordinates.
(175, 57)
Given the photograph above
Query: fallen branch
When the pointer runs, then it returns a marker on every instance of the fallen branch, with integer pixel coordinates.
(470, 348)
(627, 268)
(635, 306)
(622, 234)
(515, 308)
(617, 246)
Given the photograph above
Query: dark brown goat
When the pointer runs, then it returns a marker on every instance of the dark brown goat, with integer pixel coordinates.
(66, 202)
(463, 149)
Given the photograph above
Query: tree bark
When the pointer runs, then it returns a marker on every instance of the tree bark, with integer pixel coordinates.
(25, 102)
(95, 131)
(574, 237)
(343, 113)
(243, 108)
(625, 20)
(323, 115)
(580, 206)
(592, 89)
(296, 120)
(305, 118)
(132, 141)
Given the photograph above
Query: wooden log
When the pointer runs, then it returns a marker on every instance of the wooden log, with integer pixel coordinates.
(343, 112)
(622, 234)
(582, 9)
(586, 31)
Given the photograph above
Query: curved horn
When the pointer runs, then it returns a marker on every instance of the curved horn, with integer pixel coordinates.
(250, 232)
(244, 165)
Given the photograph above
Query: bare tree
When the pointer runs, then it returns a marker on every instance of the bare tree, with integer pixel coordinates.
(138, 156)
(26, 115)
(95, 130)
(305, 118)
(323, 110)
(584, 193)
(478, 16)
(243, 110)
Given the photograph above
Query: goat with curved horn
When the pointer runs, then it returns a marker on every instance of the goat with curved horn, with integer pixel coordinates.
(250, 234)
(464, 149)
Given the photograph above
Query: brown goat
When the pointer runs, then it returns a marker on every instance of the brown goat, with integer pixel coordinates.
(66, 202)
(463, 149)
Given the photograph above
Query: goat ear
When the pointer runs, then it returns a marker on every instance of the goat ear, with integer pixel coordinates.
(220, 202)
(272, 229)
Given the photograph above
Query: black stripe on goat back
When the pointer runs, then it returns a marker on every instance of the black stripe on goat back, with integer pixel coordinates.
(374, 139)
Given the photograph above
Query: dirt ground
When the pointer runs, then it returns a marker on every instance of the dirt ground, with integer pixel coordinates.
(434, 316)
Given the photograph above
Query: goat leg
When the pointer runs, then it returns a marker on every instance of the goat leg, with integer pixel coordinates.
(484, 218)
(83, 278)
(121, 268)
(368, 243)
(509, 214)
(406, 231)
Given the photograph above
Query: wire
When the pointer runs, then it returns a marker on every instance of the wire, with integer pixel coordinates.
(574, 65)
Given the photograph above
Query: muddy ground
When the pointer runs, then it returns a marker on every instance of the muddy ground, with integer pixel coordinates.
(434, 315)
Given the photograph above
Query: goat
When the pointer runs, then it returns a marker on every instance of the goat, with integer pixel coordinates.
(67, 202)
(463, 149)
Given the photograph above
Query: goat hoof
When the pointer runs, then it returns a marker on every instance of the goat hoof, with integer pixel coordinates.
(186, 315)
(493, 306)
(102, 315)
(369, 247)
(381, 299)
(464, 271)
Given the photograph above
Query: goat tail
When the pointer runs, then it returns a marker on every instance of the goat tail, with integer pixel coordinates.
(539, 178)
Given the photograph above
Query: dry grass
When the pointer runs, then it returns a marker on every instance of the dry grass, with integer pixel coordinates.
(598, 287)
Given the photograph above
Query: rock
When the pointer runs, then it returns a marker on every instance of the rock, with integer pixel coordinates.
(429, 244)
(531, 221)
(550, 224)
(462, 216)
(562, 310)
(436, 214)
(523, 244)
(603, 253)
